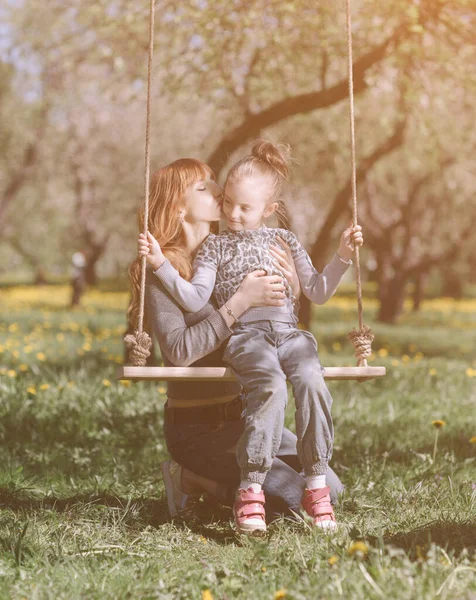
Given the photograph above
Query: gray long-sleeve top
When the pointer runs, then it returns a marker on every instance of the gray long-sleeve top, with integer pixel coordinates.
(223, 261)
(187, 339)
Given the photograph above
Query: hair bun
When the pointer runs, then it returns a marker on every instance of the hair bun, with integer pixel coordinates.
(276, 155)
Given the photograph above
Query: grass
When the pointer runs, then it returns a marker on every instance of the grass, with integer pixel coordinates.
(82, 510)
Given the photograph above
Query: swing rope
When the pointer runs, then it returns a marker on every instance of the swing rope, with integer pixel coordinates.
(363, 337)
(139, 343)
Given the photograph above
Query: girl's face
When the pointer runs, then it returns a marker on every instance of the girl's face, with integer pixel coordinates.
(202, 202)
(245, 203)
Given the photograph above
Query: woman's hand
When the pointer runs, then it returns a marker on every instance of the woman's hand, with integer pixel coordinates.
(259, 289)
(349, 240)
(150, 248)
(285, 263)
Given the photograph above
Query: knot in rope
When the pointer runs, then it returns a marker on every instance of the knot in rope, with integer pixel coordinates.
(139, 345)
(362, 340)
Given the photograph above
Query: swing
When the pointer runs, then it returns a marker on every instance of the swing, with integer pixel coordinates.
(140, 342)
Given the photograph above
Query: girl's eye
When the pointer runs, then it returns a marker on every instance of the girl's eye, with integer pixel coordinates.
(202, 189)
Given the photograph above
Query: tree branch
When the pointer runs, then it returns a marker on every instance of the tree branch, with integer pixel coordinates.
(300, 104)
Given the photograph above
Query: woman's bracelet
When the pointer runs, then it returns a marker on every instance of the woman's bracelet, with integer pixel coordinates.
(230, 312)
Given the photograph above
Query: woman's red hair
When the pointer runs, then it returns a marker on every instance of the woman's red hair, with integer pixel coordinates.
(166, 198)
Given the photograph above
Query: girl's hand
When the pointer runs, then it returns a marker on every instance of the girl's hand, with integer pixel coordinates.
(285, 263)
(150, 248)
(349, 240)
(259, 289)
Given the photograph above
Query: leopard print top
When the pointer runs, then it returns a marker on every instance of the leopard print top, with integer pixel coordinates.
(234, 254)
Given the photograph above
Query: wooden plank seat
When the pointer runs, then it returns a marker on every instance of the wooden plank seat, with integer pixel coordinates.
(225, 374)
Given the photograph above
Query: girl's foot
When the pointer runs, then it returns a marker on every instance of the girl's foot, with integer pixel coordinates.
(249, 512)
(317, 504)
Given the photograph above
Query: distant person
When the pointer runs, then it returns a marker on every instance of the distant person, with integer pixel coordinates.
(40, 276)
(78, 278)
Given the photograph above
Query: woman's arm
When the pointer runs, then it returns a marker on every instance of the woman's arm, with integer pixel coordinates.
(182, 344)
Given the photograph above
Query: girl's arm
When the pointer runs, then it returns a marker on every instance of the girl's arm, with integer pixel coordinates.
(191, 295)
(318, 287)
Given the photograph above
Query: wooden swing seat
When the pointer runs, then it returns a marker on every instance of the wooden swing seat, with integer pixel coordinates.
(223, 374)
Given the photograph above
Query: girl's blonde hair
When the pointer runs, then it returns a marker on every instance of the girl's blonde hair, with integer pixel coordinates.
(272, 162)
(166, 199)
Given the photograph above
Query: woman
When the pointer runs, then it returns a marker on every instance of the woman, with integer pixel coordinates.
(204, 420)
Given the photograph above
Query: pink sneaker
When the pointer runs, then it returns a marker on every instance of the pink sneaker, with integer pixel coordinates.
(317, 504)
(249, 512)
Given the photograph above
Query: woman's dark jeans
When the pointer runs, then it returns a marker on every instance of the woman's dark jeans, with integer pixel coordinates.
(209, 451)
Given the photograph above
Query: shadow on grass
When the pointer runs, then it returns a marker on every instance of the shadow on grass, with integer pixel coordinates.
(454, 537)
(152, 511)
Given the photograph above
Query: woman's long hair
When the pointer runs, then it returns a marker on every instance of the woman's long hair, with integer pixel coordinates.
(166, 198)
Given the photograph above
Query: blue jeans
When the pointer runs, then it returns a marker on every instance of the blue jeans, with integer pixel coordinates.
(210, 452)
(263, 355)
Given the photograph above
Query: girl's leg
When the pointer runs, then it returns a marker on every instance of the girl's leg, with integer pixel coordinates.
(314, 427)
(298, 353)
(252, 354)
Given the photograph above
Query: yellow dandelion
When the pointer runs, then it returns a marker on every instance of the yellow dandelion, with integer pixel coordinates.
(438, 424)
(15, 353)
(31, 390)
(44, 386)
(432, 371)
(12, 328)
(203, 539)
(383, 352)
(70, 384)
(27, 349)
(395, 362)
(40, 356)
(2, 349)
(405, 358)
(106, 383)
(162, 389)
(207, 595)
(23, 367)
(263, 569)
(471, 372)
(473, 440)
(125, 383)
(359, 548)
(333, 560)
(86, 347)
(11, 373)
(280, 594)
(336, 346)
(60, 337)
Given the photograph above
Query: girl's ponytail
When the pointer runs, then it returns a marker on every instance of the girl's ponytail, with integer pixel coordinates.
(278, 156)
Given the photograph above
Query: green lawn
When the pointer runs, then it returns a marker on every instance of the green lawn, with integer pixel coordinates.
(82, 510)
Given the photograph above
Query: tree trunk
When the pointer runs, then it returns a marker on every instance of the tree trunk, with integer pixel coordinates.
(452, 284)
(392, 296)
(305, 312)
(419, 291)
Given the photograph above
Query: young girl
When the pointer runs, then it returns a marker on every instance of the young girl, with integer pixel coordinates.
(266, 346)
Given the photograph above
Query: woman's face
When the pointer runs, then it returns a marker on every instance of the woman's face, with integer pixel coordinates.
(203, 201)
